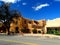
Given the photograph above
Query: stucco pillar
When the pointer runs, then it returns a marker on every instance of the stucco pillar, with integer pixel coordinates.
(31, 31)
(45, 29)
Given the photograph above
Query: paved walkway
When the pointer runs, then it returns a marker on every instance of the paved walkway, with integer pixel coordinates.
(29, 39)
(44, 35)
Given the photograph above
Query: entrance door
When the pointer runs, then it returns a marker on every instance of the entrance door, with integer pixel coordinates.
(17, 30)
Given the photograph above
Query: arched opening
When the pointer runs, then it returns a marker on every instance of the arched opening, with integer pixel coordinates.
(16, 30)
(25, 30)
(39, 31)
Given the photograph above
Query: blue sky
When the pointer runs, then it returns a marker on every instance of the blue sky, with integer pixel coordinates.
(37, 9)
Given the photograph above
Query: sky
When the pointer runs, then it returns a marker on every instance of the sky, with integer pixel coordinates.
(36, 9)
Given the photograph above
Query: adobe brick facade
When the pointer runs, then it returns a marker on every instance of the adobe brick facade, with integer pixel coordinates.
(23, 23)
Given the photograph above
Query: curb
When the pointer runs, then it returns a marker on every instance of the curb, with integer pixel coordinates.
(35, 35)
(45, 35)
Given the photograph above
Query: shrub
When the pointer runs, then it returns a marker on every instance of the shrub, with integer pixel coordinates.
(25, 31)
(39, 31)
(34, 31)
(51, 32)
(56, 32)
(1, 24)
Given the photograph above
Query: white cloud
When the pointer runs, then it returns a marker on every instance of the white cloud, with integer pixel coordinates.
(40, 6)
(10, 1)
(24, 3)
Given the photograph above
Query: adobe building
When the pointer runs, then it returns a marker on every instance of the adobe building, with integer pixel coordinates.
(53, 25)
(38, 25)
(18, 23)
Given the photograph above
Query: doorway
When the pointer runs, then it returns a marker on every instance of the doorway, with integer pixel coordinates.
(16, 30)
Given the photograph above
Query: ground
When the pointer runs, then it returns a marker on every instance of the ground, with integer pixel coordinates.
(27, 40)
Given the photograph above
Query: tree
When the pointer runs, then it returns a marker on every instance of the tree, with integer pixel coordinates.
(5, 14)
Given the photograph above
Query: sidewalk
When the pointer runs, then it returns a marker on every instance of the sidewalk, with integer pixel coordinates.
(37, 35)
(44, 35)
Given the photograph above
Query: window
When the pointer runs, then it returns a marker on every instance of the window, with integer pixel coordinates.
(24, 21)
(39, 27)
(34, 26)
(29, 22)
(36, 22)
(16, 22)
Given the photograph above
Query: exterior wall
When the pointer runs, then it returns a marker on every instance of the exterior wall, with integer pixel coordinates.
(19, 24)
(16, 22)
(23, 23)
(30, 26)
(53, 24)
(12, 27)
(42, 24)
(39, 26)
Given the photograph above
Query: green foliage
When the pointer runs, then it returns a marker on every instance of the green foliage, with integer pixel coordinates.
(50, 32)
(34, 31)
(1, 24)
(6, 14)
(56, 32)
(39, 31)
(25, 30)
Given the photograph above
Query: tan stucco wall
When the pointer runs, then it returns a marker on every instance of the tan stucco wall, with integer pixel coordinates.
(12, 27)
(21, 24)
(52, 23)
